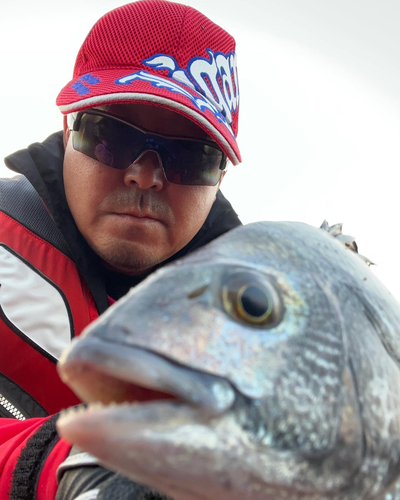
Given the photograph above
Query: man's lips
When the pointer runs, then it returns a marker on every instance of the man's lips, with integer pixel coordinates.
(138, 216)
(137, 213)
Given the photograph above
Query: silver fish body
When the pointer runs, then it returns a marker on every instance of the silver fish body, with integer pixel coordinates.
(281, 350)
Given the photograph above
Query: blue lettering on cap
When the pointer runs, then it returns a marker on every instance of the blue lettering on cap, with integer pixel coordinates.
(81, 88)
(90, 79)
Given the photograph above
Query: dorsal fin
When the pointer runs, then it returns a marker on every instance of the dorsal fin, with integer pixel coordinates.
(347, 240)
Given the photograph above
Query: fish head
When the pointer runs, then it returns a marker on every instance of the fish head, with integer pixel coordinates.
(251, 339)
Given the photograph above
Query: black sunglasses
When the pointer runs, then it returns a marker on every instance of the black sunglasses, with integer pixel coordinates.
(117, 144)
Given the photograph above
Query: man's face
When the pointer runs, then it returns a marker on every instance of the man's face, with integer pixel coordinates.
(135, 218)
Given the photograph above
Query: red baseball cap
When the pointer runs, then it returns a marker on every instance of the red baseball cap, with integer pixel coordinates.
(162, 53)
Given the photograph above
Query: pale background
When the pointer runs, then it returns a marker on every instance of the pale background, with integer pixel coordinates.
(320, 105)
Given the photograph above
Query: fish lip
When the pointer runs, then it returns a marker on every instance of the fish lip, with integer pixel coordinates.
(131, 365)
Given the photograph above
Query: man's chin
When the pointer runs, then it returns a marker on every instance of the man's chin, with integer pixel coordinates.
(128, 258)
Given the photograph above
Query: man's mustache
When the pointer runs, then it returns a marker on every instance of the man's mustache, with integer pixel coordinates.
(136, 200)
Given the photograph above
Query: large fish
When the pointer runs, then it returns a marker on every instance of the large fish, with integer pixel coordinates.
(281, 352)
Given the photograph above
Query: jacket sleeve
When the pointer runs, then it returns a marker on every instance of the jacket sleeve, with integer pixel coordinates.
(81, 477)
(30, 453)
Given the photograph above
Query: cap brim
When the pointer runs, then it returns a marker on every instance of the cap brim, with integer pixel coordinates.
(127, 85)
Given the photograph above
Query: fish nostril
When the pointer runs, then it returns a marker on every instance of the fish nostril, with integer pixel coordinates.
(197, 292)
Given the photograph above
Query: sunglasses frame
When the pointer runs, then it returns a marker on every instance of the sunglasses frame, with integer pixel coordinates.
(76, 121)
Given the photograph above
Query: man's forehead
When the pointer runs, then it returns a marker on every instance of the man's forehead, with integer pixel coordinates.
(156, 119)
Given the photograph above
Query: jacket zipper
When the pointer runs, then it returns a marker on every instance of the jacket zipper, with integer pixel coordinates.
(11, 408)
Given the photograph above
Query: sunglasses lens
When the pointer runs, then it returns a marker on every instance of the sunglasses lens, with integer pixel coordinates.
(106, 140)
(192, 163)
(118, 145)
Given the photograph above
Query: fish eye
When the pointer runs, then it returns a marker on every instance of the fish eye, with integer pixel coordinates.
(250, 298)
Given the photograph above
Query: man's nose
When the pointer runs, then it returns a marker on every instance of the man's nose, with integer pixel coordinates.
(146, 172)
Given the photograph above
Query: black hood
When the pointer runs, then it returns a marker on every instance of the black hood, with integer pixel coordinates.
(42, 163)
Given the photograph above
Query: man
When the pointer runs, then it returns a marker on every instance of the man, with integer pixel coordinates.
(151, 118)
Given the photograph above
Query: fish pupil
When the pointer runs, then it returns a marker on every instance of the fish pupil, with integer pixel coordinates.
(255, 302)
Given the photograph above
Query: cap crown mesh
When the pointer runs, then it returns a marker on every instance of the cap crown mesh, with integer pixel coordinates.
(126, 36)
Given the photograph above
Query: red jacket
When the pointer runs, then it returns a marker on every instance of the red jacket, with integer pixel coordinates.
(53, 305)
(28, 355)
(41, 480)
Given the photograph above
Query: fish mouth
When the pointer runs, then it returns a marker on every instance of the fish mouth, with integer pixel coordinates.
(100, 371)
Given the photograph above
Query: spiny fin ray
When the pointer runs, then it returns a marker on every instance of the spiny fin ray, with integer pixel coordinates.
(347, 240)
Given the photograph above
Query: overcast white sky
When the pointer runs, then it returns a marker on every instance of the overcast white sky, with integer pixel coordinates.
(320, 105)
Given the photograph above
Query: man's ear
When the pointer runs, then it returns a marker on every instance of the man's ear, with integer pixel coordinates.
(222, 176)
(220, 180)
(67, 131)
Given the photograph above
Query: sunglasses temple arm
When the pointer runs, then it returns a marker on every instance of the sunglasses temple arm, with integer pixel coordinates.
(77, 122)
(224, 163)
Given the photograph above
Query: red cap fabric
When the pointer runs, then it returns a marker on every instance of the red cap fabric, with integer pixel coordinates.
(162, 53)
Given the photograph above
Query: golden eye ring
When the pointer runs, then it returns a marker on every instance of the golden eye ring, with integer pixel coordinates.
(251, 299)
(244, 313)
